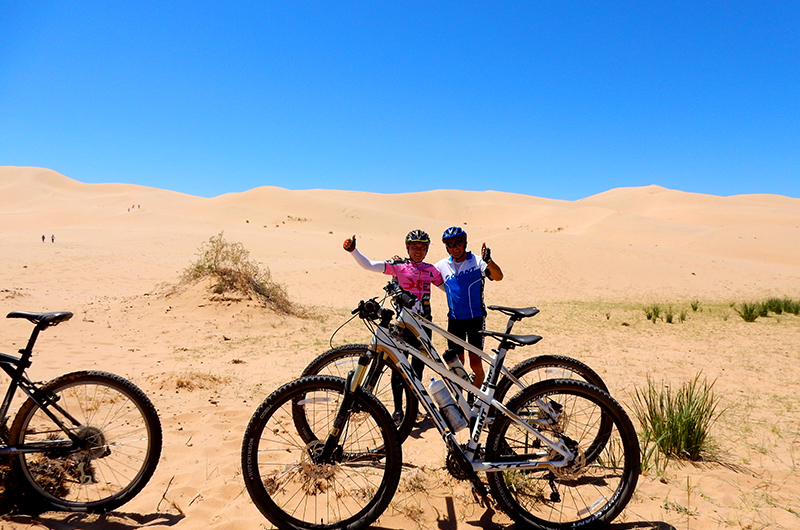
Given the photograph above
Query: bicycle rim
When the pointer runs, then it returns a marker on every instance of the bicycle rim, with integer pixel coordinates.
(542, 367)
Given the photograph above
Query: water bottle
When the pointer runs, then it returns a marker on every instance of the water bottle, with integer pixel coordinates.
(454, 364)
(447, 406)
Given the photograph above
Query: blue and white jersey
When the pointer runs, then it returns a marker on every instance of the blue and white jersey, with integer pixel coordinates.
(463, 283)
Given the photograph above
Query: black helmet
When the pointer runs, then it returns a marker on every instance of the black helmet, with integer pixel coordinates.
(454, 232)
(418, 236)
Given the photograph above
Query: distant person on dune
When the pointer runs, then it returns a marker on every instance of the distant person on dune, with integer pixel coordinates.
(413, 275)
(464, 275)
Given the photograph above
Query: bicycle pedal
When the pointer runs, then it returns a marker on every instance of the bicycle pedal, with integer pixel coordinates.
(481, 496)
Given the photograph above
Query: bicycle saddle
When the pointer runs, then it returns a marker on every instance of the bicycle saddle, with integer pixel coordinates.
(520, 340)
(46, 319)
(514, 312)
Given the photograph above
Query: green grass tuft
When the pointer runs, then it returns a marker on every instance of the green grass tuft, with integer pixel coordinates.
(653, 312)
(677, 421)
(749, 311)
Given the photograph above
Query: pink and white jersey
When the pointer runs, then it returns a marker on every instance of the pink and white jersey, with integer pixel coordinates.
(416, 278)
(413, 277)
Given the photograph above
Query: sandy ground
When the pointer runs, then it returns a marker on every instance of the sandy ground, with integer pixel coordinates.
(590, 265)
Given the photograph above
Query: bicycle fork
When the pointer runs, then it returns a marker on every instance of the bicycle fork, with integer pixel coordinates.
(332, 448)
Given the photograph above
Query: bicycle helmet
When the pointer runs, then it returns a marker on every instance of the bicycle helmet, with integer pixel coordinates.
(418, 236)
(454, 232)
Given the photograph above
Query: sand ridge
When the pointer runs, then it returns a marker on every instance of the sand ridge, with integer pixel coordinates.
(590, 265)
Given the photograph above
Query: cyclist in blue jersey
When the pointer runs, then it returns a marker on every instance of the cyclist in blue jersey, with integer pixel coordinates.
(464, 275)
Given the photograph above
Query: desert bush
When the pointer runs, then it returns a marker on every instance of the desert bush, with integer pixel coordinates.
(749, 311)
(782, 305)
(678, 422)
(695, 305)
(790, 306)
(774, 305)
(231, 271)
(669, 315)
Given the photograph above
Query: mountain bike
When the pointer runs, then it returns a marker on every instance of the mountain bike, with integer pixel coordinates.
(86, 441)
(339, 361)
(321, 452)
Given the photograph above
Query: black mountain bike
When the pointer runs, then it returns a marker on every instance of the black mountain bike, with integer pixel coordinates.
(86, 441)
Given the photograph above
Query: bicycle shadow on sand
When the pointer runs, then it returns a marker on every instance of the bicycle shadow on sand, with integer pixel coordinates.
(485, 520)
(88, 521)
(449, 521)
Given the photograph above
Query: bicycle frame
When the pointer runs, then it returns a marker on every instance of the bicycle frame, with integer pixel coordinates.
(15, 368)
(385, 343)
(416, 323)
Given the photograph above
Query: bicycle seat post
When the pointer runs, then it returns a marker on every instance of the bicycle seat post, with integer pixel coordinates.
(28, 350)
(511, 319)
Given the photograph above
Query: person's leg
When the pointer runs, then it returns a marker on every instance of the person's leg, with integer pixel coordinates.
(416, 364)
(474, 338)
(397, 395)
(397, 379)
(456, 328)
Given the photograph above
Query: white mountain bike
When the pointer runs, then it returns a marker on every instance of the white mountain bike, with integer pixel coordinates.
(321, 452)
(383, 378)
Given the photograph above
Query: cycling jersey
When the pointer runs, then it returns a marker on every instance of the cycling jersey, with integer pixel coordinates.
(413, 277)
(463, 282)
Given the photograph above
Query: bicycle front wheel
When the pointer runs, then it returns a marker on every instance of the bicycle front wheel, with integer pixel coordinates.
(119, 436)
(341, 360)
(286, 480)
(587, 491)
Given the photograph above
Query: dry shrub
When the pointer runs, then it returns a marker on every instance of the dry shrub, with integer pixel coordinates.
(231, 271)
(190, 381)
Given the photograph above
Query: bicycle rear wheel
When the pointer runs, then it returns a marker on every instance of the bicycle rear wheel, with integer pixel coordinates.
(340, 360)
(589, 491)
(543, 367)
(120, 443)
(291, 487)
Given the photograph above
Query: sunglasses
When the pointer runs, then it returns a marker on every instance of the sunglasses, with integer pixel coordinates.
(454, 244)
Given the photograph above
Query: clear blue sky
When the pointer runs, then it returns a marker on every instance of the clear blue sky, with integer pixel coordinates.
(552, 99)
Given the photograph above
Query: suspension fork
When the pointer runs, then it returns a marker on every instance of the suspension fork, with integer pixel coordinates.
(353, 381)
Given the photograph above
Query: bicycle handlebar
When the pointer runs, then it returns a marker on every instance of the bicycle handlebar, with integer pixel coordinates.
(400, 296)
(370, 309)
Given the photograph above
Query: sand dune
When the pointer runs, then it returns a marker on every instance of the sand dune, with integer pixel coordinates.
(590, 265)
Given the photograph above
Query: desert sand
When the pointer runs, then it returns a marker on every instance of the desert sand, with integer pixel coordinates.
(590, 266)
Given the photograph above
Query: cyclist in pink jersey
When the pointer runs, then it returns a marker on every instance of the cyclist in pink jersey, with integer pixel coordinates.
(413, 275)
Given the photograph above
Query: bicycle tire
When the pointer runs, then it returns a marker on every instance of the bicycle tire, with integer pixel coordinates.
(543, 367)
(292, 491)
(340, 360)
(122, 439)
(584, 494)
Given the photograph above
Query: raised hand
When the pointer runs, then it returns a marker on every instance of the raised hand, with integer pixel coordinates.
(350, 244)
